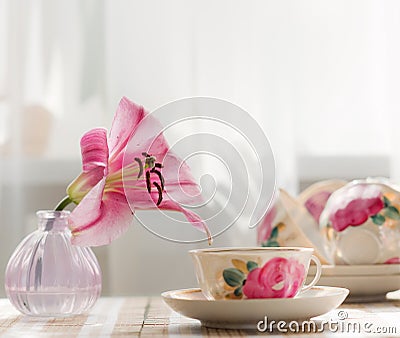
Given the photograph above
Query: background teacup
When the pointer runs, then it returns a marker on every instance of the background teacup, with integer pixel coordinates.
(236, 273)
(288, 223)
(361, 223)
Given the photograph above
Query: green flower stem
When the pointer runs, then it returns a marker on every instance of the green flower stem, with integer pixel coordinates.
(66, 201)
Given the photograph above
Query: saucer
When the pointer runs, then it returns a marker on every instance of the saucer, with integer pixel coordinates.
(357, 270)
(246, 313)
(364, 288)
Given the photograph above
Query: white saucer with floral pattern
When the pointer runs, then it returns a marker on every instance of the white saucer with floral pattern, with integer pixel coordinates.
(247, 313)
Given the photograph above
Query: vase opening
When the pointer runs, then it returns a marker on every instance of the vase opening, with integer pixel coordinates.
(50, 220)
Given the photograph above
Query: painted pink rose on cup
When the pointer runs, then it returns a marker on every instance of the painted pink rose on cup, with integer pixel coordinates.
(278, 278)
(354, 206)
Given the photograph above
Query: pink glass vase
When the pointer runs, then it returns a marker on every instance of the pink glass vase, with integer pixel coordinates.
(47, 276)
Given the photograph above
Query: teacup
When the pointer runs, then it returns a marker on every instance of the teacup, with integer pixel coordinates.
(236, 273)
(361, 223)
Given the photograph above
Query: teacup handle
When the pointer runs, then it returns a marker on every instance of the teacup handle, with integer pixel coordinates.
(317, 274)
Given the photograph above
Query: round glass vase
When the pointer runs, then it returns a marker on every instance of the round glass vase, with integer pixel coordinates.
(47, 276)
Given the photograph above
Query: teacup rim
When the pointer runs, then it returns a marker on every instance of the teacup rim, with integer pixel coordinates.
(224, 250)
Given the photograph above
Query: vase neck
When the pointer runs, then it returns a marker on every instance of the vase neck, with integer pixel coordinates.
(50, 220)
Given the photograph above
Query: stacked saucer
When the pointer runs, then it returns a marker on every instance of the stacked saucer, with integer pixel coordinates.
(367, 283)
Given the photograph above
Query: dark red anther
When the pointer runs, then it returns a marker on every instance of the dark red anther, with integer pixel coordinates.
(148, 183)
(160, 176)
(159, 192)
(139, 161)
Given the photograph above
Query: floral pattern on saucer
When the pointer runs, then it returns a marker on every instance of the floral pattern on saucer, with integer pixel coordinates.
(279, 277)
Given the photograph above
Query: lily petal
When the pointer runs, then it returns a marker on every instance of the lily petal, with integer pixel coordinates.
(182, 186)
(126, 119)
(99, 218)
(94, 149)
(148, 137)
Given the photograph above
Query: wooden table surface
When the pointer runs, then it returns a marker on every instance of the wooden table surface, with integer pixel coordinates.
(149, 316)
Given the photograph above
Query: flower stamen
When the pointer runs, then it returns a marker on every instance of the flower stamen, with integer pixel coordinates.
(151, 166)
(139, 161)
(150, 162)
(160, 196)
(148, 183)
(160, 176)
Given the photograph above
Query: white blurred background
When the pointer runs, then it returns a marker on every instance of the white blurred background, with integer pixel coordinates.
(320, 77)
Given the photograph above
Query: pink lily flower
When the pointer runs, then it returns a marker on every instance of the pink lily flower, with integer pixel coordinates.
(114, 174)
